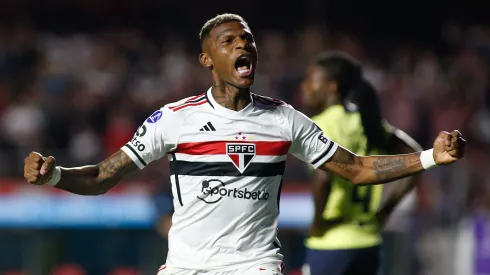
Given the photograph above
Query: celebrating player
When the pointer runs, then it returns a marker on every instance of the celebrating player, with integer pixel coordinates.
(227, 149)
(345, 235)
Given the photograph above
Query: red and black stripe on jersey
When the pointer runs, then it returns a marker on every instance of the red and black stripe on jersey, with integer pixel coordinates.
(255, 169)
(193, 101)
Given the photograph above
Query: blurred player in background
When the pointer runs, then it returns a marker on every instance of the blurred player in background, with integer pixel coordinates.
(345, 235)
(164, 209)
(227, 149)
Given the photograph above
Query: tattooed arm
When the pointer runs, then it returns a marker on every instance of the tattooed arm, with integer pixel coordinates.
(150, 142)
(86, 180)
(97, 179)
(448, 148)
(372, 169)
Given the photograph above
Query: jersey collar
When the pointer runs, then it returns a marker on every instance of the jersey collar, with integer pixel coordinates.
(227, 112)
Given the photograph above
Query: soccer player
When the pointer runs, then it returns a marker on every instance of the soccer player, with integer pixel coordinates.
(345, 235)
(227, 149)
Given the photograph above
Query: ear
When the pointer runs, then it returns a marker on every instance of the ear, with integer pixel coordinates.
(206, 60)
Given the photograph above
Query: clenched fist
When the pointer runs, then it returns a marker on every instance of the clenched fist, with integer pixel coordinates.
(38, 169)
(448, 147)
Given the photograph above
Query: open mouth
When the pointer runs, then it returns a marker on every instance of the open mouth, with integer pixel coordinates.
(243, 65)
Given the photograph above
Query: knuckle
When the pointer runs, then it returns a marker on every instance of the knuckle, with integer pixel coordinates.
(33, 172)
(444, 134)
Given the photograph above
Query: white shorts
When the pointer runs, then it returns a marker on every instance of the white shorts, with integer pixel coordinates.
(255, 270)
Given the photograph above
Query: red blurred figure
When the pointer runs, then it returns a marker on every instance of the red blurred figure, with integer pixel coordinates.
(68, 269)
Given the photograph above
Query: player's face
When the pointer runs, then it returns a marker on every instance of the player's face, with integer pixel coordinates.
(313, 88)
(233, 53)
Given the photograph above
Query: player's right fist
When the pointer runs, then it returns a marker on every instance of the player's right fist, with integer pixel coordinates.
(38, 169)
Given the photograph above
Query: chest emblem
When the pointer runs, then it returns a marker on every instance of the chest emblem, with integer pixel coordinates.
(241, 154)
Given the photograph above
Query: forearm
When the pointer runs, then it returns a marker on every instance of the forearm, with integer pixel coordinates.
(96, 179)
(383, 169)
(82, 180)
(372, 169)
(448, 148)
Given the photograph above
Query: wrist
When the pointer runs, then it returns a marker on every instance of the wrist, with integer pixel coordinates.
(427, 159)
(55, 177)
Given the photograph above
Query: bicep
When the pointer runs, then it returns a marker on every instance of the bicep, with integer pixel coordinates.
(115, 167)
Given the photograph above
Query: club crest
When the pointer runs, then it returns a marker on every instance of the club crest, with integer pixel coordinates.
(241, 154)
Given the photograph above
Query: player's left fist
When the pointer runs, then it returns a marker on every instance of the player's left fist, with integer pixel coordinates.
(448, 147)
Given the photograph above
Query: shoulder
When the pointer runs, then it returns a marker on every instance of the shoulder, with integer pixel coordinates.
(337, 116)
(272, 104)
(189, 103)
(174, 112)
(268, 102)
(332, 112)
(183, 107)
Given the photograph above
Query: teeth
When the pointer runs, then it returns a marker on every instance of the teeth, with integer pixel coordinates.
(242, 71)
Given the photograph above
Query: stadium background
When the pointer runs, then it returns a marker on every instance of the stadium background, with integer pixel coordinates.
(78, 77)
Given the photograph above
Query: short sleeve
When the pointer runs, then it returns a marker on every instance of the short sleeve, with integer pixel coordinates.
(154, 138)
(309, 143)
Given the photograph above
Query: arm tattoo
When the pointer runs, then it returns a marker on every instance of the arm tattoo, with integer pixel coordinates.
(386, 167)
(372, 169)
(343, 162)
(96, 179)
(114, 168)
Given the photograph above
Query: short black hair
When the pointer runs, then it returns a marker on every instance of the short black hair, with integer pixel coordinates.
(218, 20)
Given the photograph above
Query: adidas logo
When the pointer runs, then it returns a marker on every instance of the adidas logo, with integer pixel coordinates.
(208, 127)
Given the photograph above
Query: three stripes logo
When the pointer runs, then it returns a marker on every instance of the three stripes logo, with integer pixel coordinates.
(208, 127)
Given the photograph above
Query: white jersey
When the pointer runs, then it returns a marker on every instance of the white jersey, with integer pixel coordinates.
(226, 173)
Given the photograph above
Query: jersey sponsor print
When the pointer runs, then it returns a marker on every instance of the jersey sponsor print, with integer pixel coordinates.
(226, 173)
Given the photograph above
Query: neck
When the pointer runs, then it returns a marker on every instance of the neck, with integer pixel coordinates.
(230, 97)
(328, 103)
